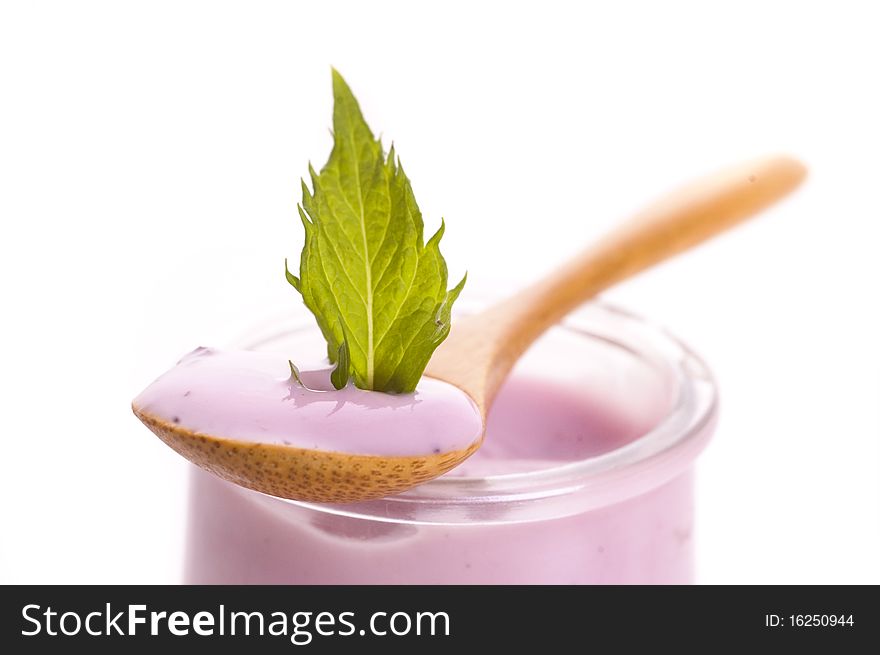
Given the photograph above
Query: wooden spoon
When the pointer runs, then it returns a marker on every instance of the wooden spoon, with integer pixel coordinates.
(481, 349)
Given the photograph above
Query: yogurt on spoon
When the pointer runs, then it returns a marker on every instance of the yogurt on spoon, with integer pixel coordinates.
(378, 291)
(244, 416)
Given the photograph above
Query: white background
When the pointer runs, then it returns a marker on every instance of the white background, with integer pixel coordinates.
(149, 163)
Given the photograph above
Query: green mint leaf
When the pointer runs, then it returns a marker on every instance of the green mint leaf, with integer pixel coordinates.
(377, 290)
(291, 278)
(294, 374)
(342, 373)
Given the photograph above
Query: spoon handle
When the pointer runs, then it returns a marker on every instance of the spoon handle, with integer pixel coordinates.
(482, 348)
(671, 225)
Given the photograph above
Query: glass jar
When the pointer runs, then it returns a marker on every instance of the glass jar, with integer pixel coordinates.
(622, 515)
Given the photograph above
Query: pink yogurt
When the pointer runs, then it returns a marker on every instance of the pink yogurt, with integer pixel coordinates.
(253, 396)
(585, 477)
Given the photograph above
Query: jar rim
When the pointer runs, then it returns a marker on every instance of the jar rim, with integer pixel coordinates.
(643, 463)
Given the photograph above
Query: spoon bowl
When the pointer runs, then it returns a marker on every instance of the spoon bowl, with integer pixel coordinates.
(481, 349)
(306, 474)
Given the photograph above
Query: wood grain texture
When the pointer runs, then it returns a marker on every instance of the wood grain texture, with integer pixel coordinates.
(302, 473)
